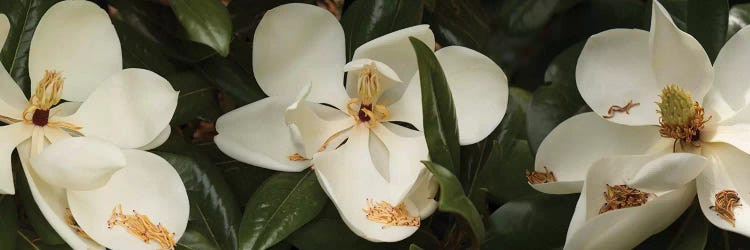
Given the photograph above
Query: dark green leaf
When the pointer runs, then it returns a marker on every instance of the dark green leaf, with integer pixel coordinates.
(46, 233)
(243, 179)
(231, 77)
(28, 240)
(534, 222)
(707, 22)
(192, 239)
(503, 175)
(415, 247)
(690, 231)
(525, 16)
(459, 22)
(453, 200)
(554, 103)
(213, 209)
(23, 15)
(197, 99)
(366, 20)
(139, 52)
(206, 22)
(739, 17)
(8, 222)
(678, 9)
(439, 114)
(327, 233)
(283, 204)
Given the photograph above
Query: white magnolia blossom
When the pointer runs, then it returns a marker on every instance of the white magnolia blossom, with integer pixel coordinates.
(81, 158)
(365, 163)
(625, 75)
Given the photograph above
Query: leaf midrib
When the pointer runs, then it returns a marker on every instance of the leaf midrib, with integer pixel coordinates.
(273, 215)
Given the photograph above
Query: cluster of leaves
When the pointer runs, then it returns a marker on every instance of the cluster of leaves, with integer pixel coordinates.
(204, 48)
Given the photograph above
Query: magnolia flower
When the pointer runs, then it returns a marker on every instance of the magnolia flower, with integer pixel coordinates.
(70, 152)
(652, 93)
(366, 163)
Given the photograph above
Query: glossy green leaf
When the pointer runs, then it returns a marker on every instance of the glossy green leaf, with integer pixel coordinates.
(459, 22)
(366, 20)
(453, 200)
(534, 222)
(197, 98)
(213, 209)
(192, 239)
(139, 52)
(206, 22)
(23, 15)
(8, 222)
(46, 234)
(439, 114)
(28, 240)
(243, 179)
(739, 17)
(328, 233)
(231, 77)
(525, 16)
(559, 100)
(689, 232)
(283, 204)
(415, 247)
(707, 22)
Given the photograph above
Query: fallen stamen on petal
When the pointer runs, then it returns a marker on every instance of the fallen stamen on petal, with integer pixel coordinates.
(535, 177)
(297, 157)
(71, 221)
(622, 196)
(615, 108)
(385, 213)
(141, 226)
(725, 202)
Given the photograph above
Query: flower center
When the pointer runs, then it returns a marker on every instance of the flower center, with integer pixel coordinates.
(368, 89)
(141, 226)
(385, 213)
(725, 202)
(622, 196)
(47, 94)
(681, 117)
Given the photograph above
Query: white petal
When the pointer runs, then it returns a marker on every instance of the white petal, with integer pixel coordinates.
(614, 68)
(479, 88)
(677, 58)
(300, 44)
(349, 177)
(737, 135)
(408, 108)
(625, 228)
(149, 186)
(320, 127)
(729, 94)
(65, 109)
(670, 171)
(423, 195)
(10, 137)
(406, 151)
(130, 109)
(78, 163)
(52, 202)
(256, 134)
(55, 134)
(571, 148)
(391, 86)
(163, 136)
(728, 172)
(12, 99)
(78, 39)
(395, 50)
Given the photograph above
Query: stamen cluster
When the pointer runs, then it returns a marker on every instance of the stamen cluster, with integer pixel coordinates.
(385, 213)
(726, 200)
(141, 226)
(535, 177)
(622, 196)
(681, 117)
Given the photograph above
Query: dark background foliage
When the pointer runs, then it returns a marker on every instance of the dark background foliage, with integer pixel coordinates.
(206, 55)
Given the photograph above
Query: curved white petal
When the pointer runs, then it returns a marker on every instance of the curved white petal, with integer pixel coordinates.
(728, 172)
(395, 50)
(78, 39)
(423, 195)
(256, 134)
(626, 228)
(159, 140)
(737, 135)
(479, 88)
(614, 68)
(320, 127)
(12, 99)
(668, 172)
(677, 58)
(391, 86)
(52, 202)
(55, 134)
(729, 93)
(65, 109)
(349, 177)
(10, 137)
(148, 185)
(408, 108)
(299, 44)
(570, 149)
(406, 151)
(78, 163)
(130, 109)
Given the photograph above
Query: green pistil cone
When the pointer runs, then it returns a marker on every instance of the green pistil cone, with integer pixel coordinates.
(676, 107)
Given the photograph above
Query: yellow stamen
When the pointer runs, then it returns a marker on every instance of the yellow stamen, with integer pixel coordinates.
(368, 84)
(385, 213)
(47, 94)
(71, 221)
(622, 196)
(141, 226)
(535, 177)
(725, 202)
(681, 117)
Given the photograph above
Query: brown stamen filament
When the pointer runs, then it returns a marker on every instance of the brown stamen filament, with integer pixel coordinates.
(297, 157)
(614, 108)
(71, 221)
(141, 226)
(688, 133)
(724, 205)
(622, 196)
(385, 213)
(535, 177)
